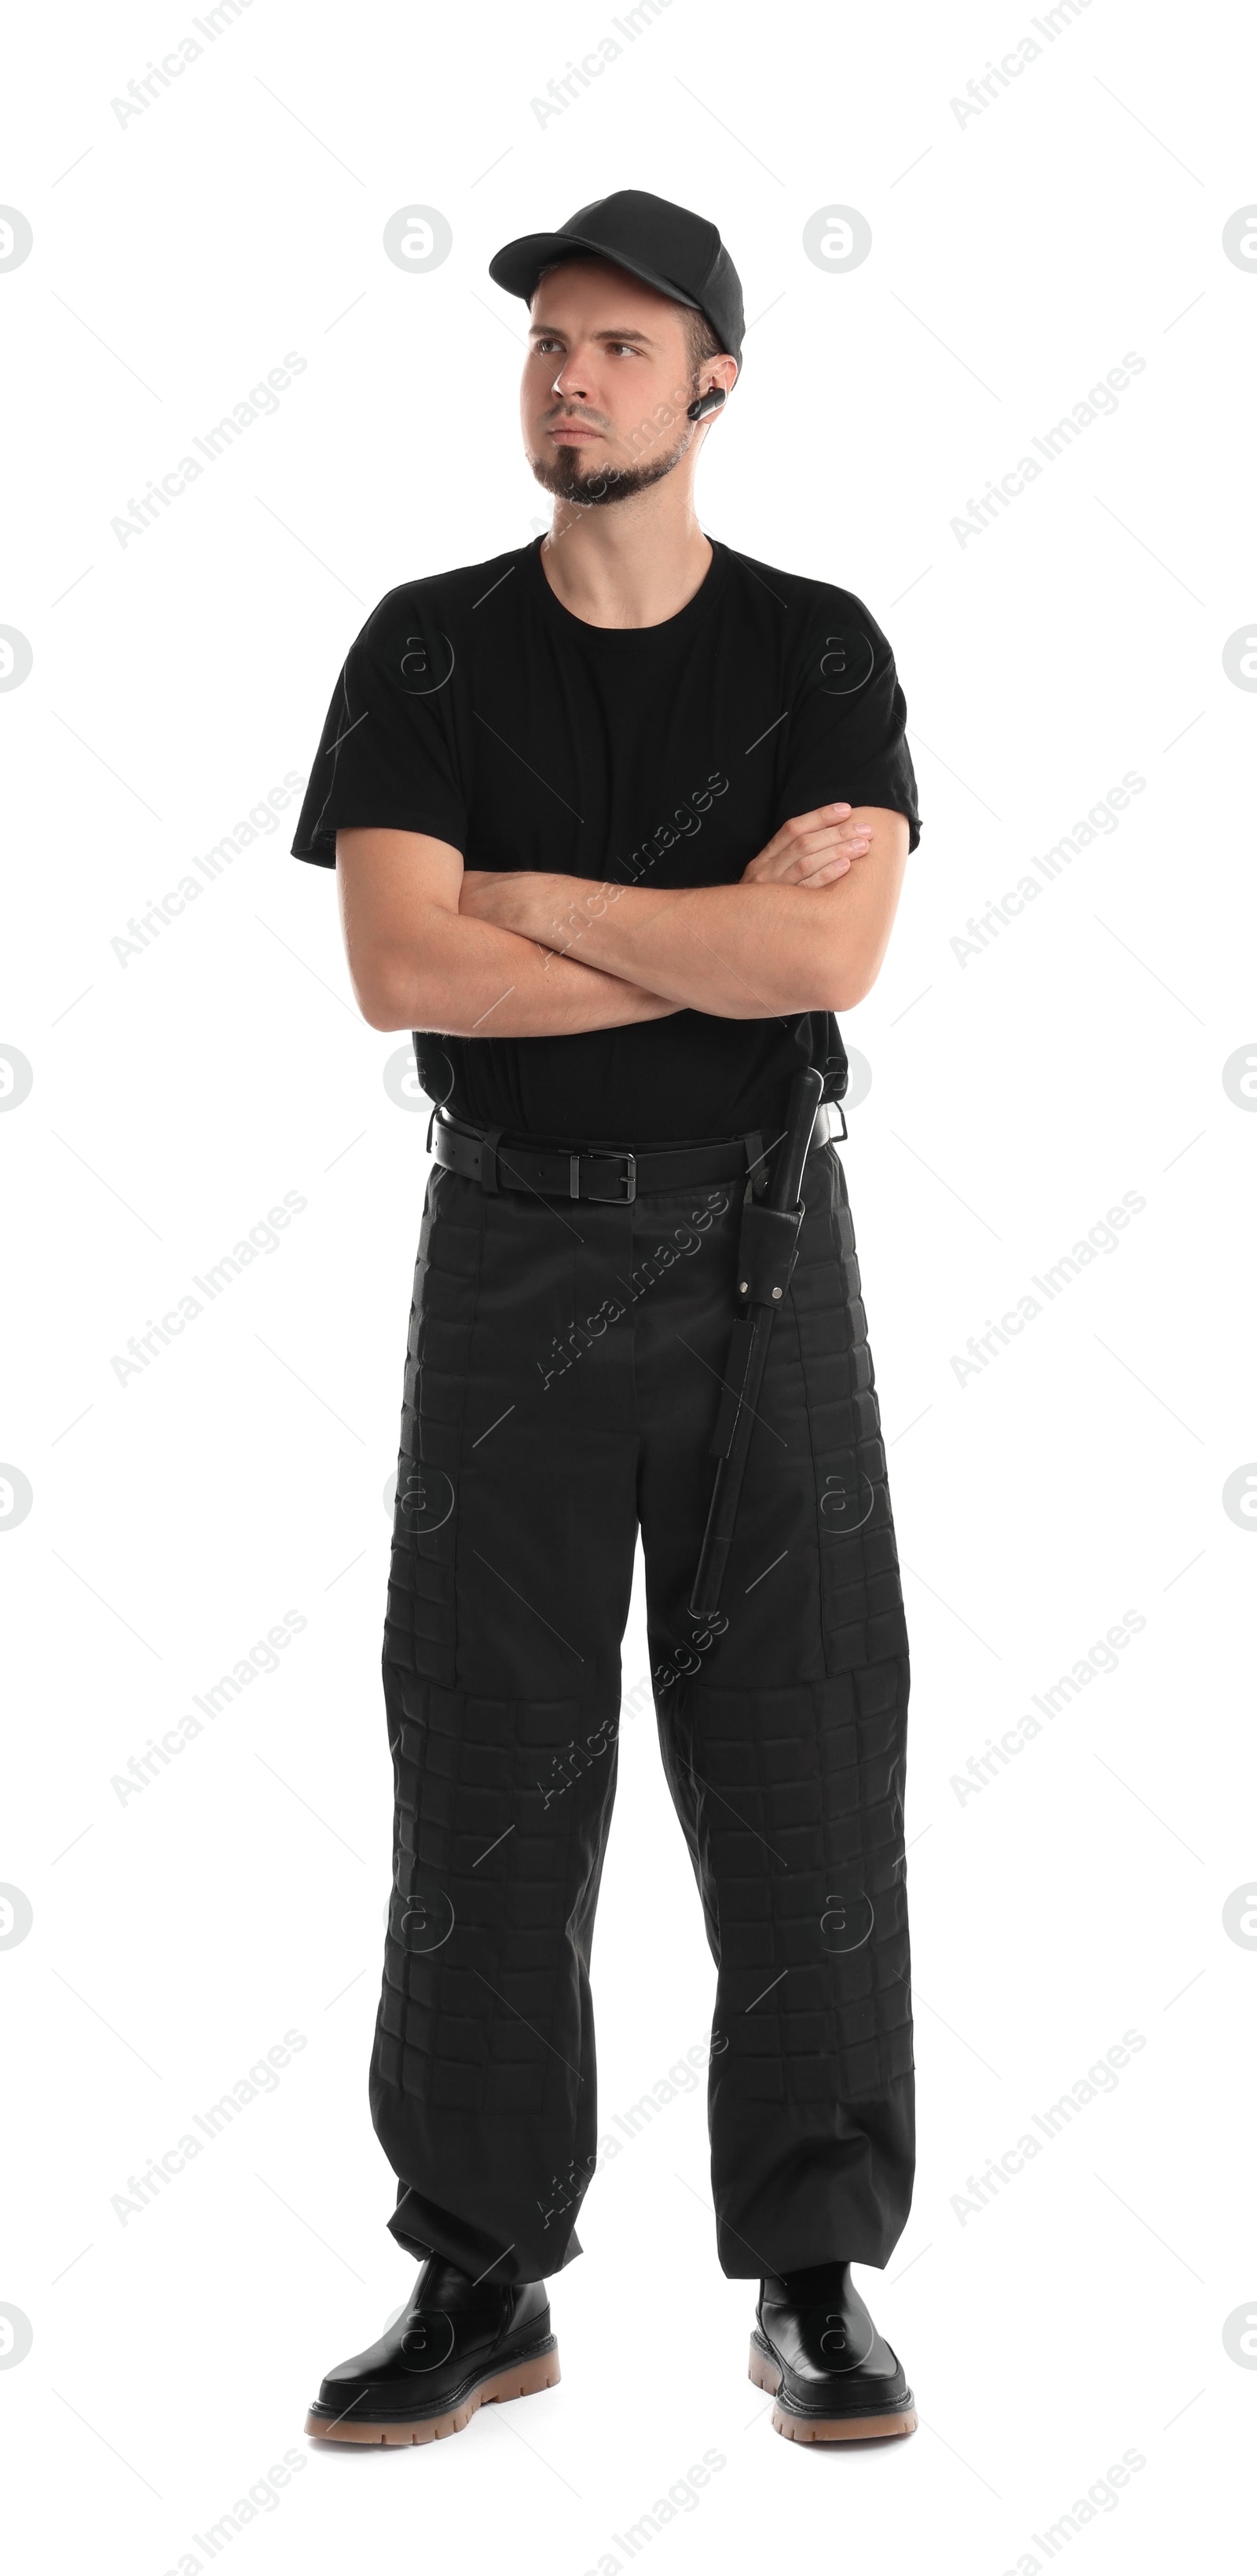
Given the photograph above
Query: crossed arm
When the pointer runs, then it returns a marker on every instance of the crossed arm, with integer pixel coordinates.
(433, 945)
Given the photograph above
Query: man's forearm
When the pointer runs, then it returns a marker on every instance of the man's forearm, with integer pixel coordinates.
(740, 952)
(476, 979)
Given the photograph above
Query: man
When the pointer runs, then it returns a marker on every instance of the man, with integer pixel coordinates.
(620, 819)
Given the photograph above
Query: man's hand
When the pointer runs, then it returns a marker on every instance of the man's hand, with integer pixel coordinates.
(810, 849)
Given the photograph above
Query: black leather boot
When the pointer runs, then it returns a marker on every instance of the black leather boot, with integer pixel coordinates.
(816, 2348)
(457, 2344)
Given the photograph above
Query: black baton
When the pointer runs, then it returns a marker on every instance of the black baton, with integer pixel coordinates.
(767, 1247)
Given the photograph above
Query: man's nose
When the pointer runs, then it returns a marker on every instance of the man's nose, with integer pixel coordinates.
(570, 381)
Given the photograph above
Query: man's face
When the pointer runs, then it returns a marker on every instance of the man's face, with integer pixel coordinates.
(605, 384)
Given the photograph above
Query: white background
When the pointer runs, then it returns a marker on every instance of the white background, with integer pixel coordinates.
(1012, 1099)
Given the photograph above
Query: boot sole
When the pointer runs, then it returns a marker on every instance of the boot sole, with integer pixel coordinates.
(766, 2374)
(519, 2379)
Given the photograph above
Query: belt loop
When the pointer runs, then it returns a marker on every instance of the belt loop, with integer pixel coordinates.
(489, 1160)
(757, 1178)
(427, 1142)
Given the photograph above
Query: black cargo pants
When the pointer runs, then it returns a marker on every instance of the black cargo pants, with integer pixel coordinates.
(562, 1380)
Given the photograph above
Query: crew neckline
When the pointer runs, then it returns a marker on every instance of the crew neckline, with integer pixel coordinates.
(633, 638)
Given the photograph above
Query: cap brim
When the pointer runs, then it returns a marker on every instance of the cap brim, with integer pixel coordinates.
(517, 265)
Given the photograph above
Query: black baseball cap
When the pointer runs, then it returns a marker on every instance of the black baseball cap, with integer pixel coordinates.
(678, 253)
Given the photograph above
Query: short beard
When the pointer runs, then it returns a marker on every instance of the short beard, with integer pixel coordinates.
(565, 477)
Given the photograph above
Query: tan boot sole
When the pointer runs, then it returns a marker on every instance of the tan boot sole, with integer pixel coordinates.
(819, 2428)
(522, 2379)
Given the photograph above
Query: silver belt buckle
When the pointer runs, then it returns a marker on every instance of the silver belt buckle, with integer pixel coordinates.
(629, 1177)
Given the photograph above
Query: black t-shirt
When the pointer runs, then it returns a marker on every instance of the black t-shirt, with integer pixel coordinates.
(475, 707)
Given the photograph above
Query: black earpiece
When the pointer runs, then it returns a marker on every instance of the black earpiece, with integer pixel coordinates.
(707, 404)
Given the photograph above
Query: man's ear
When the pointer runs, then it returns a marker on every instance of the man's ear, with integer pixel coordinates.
(718, 374)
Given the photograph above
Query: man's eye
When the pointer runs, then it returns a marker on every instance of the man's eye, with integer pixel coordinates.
(542, 348)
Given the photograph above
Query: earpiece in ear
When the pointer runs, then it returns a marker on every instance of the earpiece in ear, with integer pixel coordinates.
(706, 404)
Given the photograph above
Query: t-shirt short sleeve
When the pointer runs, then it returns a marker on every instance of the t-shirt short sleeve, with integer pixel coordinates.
(388, 754)
(845, 737)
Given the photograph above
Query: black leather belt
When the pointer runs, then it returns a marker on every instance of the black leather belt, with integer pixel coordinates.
(611, 1173)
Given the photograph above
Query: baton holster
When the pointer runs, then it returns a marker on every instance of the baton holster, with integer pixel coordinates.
(768, 1243)
(768, 1239)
